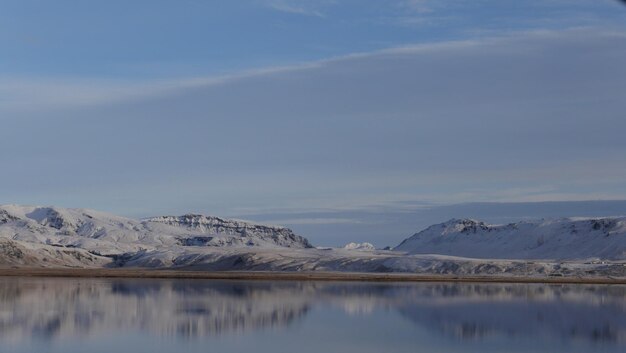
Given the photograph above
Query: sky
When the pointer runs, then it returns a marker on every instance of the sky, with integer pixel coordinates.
(313, 113)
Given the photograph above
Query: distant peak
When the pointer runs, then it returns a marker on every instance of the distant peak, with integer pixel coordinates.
(359, 246)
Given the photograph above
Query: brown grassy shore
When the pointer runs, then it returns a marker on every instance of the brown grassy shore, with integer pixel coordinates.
(293, 276)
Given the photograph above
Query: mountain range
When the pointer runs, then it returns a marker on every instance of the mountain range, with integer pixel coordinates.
(54, 236)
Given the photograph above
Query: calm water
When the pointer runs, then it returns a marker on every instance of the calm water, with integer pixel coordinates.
(101, 315)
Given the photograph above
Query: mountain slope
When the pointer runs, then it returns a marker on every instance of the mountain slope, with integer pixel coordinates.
(16, 253)
(564, 239)
(106, 234)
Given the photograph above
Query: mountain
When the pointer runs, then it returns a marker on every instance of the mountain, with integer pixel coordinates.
(60, 237)
(105, 234)
(560, 239)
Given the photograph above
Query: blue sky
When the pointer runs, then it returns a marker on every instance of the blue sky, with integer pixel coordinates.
(264, 109)
(118, 39)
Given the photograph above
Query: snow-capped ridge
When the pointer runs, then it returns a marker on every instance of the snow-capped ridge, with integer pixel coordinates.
(465, 225)
(110, 235)
(563, 238)
(55, 218)
(206, 223)
(215, 225)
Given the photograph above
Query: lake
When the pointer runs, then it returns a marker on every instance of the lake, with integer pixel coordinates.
(153, 315)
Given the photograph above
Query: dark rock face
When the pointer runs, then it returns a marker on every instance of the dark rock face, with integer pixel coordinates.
(280, 236)
(470, 225)
(195, 241)
(5, 217)
(10, 250)
(602, 224)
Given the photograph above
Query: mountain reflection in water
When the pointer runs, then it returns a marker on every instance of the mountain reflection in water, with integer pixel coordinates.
(52, 309)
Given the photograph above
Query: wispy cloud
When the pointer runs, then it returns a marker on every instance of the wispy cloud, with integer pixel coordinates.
(418, 6)
(33, 95)
(41, 94)
(306, 8)
(481, 120)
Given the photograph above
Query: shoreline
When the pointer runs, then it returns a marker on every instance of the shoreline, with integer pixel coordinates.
(292, 276)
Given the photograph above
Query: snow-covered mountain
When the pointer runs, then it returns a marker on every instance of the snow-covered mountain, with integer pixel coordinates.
(105, 234)
(53, 236)
(560, 239)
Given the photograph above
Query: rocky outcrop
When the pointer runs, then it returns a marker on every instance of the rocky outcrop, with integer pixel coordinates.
(248, 233)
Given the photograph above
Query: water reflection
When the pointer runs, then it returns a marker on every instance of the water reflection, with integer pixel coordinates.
(65, 308)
